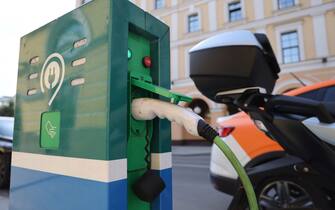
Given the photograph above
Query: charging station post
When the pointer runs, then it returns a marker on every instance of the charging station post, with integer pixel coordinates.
(76, 145)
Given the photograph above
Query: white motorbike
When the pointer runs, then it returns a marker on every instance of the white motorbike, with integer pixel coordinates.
(239, 68)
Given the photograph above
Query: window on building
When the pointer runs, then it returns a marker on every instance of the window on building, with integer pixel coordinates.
(283, 4)
(290, 47)
(235, 11)
(159, 4)
(193, 23)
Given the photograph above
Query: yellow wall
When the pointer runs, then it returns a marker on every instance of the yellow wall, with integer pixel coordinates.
(249, 10)
(330, 20)
(270, 32)
(268, 8)
(182, 63)
(204, 17)
(166, 20)
(182, 19)
(219, 13)
(150, 4)
(308, 34)
(168, 3)
(304, 3)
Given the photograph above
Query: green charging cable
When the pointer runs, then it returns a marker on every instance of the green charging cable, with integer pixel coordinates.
(148, 109)
(249, 191)
(211, 135)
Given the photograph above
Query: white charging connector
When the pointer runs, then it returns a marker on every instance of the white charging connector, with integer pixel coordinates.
(148, 109)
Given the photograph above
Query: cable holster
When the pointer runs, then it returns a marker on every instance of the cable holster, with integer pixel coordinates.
(206, 131)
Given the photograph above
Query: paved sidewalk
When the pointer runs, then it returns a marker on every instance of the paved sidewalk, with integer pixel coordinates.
(191, 150)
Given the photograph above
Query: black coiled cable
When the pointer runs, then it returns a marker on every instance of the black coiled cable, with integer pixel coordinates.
(147, 146)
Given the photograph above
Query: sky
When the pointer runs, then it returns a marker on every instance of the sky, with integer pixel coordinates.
(18, 18)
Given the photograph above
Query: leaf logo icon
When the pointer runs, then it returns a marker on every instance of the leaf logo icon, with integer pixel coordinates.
(51, 130)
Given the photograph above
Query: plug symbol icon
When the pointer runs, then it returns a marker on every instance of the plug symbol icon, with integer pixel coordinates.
(52, 71)
(50, 129)
(52, 75)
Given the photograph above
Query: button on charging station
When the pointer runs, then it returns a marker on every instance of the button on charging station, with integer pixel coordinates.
(147, 62)
(50, 130)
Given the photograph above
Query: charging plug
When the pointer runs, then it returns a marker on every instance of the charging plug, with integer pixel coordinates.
(148, 109)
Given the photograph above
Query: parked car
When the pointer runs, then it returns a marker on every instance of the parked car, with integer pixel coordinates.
(6, 144)
(252, 146)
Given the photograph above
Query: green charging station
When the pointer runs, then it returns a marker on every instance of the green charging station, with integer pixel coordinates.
(76, 145)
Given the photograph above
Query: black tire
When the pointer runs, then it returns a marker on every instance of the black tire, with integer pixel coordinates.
(4, 170)
(286, 193)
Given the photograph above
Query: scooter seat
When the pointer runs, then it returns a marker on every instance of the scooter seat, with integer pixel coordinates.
(324, 111)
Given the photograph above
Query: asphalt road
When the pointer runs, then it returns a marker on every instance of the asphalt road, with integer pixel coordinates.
(191, 190)
(3, 200)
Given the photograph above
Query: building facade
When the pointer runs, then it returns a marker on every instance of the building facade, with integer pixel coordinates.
(302, 33)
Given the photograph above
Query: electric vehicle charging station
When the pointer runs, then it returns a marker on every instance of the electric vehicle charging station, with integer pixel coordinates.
(76, 145)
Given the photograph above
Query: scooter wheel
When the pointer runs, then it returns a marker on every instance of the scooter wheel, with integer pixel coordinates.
(285, 193)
